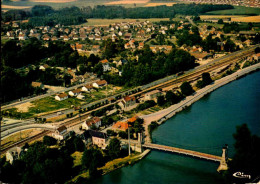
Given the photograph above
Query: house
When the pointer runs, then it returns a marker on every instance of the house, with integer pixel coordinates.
(141, 45)
(62, 96)
(37, 85)
(22, 36)
(61, 133)
(127, 102)
(13, 154)
(133, 119)
(152, 95)
(87, 88)
(44, 67)
(75, 92)
(95, 121)
(105, 65)
(120, 126)
(99, 138)
(99, 84)
(80, 96)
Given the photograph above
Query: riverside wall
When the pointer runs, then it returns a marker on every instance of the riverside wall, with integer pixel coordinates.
(204, 91)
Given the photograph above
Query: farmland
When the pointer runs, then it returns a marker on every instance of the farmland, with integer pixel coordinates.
(238, 10)
(246, 19)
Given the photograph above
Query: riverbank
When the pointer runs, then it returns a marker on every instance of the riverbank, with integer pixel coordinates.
(165, 114)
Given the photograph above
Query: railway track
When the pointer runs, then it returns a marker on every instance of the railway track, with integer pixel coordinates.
(187, 76)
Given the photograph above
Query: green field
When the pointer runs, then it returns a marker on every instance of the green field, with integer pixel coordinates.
(238, 10)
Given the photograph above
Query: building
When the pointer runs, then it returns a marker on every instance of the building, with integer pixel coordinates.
(127, 102)
(75, 92)
(44, 67)
(61, 133)
(100, 84)
(105, 65)
(120, 126)
(62, 96)
(95, 121)
(87, 88)
(152, 95)
(99, 138)
(13, 154)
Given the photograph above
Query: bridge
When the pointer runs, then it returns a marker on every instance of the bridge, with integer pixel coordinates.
(221, 159)
(183, 151)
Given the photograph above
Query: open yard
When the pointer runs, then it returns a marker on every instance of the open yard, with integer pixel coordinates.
(238, 10)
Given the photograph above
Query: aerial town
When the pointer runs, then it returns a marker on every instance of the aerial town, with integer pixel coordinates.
(80, 102)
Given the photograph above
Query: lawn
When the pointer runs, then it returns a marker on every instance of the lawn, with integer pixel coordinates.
(238, 10)
(77, 158)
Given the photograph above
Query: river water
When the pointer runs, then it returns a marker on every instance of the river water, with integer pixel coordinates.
(205, 126)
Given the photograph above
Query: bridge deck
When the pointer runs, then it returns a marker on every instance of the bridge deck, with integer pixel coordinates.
(183, 151)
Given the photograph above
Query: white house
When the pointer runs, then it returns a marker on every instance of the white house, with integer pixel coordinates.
(95, 121)
(75, 92)
(99, 84)
(105, 65)
(12, 154)
(87, 88)
(152, 95)
(62, 96)
(61, 133)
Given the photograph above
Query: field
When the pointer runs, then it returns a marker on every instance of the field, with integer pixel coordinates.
(246, 19)
(56, 4)
(238, 10)
(106, 22)
(158, 4)
(127, 2)
(206, 17)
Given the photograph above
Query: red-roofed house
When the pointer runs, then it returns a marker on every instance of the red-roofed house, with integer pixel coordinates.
(99, 84)
(96, 121)
(127, 102)
(120, 126)
(61, 96)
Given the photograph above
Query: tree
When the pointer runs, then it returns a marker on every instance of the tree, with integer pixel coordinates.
(49, 141)
(171, 97)
(160, 100)
(186, 89)
(114, 148)
(246, 158)
(206, 79)
(79, 144)
(220, 21)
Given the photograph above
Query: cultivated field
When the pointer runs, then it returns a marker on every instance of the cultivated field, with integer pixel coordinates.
(127, 2)
(158, 4)
(106, 22)
(238, 10)
(205, 17)
(246, 19)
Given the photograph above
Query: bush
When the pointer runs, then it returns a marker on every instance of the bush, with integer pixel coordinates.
(146, 105)
(111, 133)
(49, 141)
(123, 135)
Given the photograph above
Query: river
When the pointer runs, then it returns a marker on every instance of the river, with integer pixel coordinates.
(205, 126)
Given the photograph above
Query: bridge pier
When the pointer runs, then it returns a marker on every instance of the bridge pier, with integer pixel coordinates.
(223, 162)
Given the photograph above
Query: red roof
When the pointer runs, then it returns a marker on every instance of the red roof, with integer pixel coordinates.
(128, 98)
(104, 61)
(62, 95)
(123, 126)
(101, 82)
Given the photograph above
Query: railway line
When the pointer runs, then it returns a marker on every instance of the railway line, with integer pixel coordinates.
(187, 76)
